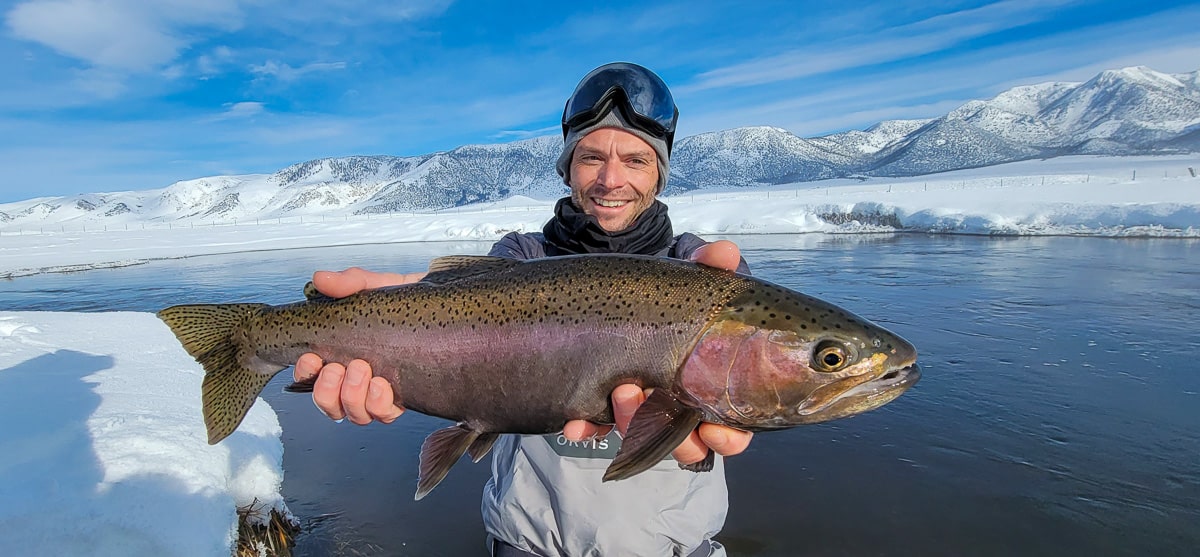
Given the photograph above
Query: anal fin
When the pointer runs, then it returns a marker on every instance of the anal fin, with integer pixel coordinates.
(481, 445)
(440, 451)
(659, 425)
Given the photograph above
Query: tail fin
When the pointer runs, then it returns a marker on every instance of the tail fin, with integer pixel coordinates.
(231, 385)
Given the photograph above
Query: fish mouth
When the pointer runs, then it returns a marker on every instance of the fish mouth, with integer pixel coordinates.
(891, 383)
(865, 396)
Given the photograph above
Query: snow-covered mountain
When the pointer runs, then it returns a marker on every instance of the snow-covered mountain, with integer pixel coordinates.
(1119, 112)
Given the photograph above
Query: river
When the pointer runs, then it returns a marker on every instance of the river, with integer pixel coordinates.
(1058, 410)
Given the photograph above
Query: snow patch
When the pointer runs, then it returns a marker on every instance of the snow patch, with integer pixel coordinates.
(104, 451)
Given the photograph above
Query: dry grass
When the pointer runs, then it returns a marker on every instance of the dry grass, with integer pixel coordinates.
(273, 538)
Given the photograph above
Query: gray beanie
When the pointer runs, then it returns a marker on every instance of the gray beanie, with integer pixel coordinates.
(614, 119)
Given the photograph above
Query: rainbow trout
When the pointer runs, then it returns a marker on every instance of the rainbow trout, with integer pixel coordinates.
(506, 346)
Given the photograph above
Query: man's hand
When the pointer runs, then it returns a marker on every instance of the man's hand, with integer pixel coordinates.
(626, 399)
(350, 391)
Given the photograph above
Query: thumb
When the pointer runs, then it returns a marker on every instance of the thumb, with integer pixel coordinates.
(721, 254)
(339, 284)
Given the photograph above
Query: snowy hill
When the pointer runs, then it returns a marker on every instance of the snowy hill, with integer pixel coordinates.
(1119, 112)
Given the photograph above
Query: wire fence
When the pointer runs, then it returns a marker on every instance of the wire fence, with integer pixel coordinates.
(813, 191)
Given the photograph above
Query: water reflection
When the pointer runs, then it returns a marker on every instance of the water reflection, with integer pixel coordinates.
(1057, 413)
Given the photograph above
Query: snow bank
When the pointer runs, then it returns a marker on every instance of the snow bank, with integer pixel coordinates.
(104, 451)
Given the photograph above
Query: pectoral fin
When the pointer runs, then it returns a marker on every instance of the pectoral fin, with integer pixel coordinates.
(300, 386)
(440, 451)
(659, 425)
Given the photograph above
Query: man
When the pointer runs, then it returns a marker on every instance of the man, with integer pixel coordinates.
(546, 496)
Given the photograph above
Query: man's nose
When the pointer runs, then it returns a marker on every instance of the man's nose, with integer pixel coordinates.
(612, 174)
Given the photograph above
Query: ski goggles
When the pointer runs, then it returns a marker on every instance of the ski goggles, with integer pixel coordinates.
(641, 96)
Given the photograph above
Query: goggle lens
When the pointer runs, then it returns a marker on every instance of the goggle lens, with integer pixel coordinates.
(646, 100)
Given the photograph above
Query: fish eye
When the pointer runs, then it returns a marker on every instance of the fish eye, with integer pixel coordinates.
(831, 355)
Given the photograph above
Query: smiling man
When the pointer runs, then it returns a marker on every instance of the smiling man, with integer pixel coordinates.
(546, 496)
(614, 177)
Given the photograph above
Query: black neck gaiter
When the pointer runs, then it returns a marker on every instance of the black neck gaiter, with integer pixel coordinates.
(573, 231)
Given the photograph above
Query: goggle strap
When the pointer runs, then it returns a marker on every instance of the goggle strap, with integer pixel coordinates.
(607, 102)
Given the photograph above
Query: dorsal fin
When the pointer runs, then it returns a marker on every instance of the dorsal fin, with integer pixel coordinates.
(457, 267)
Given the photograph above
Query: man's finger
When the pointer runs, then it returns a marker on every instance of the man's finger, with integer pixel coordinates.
(339, 284)
(381, 401)
(726, 441)
(327, 391)
(691, 451)
(354, 392)
(582, 430)
(721, 254)
(625, 400)
(307, 367)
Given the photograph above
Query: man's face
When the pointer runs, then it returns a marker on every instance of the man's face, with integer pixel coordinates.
(613, 177)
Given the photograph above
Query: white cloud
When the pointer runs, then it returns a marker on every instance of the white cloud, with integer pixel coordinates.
(1170, 59)
(285, 72)
(244, 109)
(516, 135)
(211, 63)
(922, 37)
(100, 83)
(327, 14)
(128, 35)
(239, 111)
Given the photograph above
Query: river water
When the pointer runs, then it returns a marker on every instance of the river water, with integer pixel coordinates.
(1058, 411)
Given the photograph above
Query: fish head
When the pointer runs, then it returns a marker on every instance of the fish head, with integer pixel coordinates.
(773, 358)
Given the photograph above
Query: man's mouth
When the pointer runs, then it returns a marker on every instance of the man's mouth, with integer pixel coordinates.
(611, 203)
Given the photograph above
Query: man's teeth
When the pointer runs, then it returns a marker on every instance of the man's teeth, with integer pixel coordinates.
(608, 203)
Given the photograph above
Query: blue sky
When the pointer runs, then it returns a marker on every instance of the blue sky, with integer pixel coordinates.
(110, 95)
